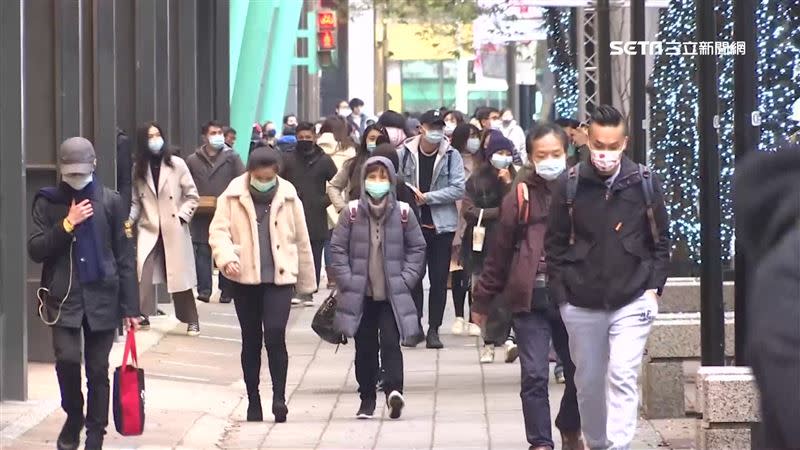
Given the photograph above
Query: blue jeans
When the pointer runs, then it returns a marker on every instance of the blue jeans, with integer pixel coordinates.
(534, 331)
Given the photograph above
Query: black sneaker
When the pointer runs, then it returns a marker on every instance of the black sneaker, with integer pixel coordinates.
(279, 409)
(70, 436)
(432, 340)
(254, 411)
(395, 402)
(144, 324)
(225, 299)
(204, 297)
(193, 329)
(367, 409)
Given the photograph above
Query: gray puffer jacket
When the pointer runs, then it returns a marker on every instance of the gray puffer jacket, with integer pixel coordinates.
(403, 256)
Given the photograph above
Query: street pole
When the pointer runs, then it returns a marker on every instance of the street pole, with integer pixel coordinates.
(745, 138)
(712, 315)
(638, 85)
(511, 77)
(604, 52)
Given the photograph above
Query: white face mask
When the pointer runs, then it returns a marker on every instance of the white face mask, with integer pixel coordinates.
(449, 127)
(345, 112)
(473, 145)
(606, 161)
(217, 141)
(501, 162)
(497, 124)
(77, 181)
(550, 168)
(155, 144)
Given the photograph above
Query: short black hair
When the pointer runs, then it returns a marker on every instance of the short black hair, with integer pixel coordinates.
(286, 118)
(356, 103)
(228, 130)
(484, 112)
(606, 116)
(209, 124)
(543, 129)
(305, 126)
(389, 152)
(565, 122)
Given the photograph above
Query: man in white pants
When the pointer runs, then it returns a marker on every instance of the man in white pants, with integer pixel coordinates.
(608, 248)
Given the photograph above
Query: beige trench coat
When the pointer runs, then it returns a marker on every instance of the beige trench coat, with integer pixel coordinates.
(177, 199)
(233, 236)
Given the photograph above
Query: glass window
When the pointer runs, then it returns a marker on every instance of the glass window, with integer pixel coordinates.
(428, 85)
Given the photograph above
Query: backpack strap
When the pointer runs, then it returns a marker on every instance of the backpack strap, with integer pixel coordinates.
(572, 191)
(352, 205)
(647, 188)
(405, 160)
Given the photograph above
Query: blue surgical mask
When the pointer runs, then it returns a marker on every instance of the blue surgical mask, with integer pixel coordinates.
(501, 162)
(77, 181)
(473, 145)
(217, 141)
(551, 168)
(155, 144)
(262, 186)
(371, 146)
(434, 136)
(377, 189)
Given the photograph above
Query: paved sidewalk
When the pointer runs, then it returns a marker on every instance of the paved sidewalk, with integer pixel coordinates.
(195, 397)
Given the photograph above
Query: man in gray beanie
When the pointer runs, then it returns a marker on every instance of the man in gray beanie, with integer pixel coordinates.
(87, 287)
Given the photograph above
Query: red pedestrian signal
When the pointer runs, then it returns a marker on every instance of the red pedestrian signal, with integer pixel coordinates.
(326, 20)
(326, 40)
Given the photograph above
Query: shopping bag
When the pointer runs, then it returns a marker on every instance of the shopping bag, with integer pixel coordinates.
(129, 392)
(322, 323)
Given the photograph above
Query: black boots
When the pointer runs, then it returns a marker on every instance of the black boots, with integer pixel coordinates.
(279, 408)
(254, 411)
(432, 340)
(69, 381)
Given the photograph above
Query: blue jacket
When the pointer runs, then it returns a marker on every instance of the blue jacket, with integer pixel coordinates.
(448, 182)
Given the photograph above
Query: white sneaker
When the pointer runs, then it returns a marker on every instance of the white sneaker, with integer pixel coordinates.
(308, 303)
(512, 351)
(459, 326)
(395, 402)
(296, 301)
(487, 354)
(473, 329)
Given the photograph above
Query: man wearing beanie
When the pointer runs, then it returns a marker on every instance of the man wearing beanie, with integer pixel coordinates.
(87, 287)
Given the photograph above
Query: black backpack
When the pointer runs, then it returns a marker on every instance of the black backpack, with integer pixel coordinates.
(647, 188)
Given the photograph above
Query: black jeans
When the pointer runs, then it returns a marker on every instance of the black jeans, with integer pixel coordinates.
(96, 346)
(534, 330)
(437, 259)
(263, 313)
(204, 267)
(378, 317)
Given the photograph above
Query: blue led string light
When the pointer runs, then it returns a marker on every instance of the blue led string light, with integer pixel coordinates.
(561, 61)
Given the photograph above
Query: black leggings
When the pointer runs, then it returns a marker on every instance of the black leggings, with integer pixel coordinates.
(460, 287)
(263, 313)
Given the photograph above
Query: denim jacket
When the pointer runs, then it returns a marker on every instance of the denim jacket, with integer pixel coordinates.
(448, 182)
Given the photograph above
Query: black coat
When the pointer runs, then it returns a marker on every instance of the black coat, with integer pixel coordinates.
(310, 176)
(105, 302)
(614, 259)
(484, 191)
(767, 202)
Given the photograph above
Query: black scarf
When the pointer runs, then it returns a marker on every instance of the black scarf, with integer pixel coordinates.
(262, 201)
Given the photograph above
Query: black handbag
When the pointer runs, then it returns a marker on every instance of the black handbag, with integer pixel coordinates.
(323, 322)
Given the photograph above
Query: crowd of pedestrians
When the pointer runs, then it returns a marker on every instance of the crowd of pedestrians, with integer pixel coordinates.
(550, 239)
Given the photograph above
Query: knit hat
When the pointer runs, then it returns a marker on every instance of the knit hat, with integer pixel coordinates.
(261, 157)
(76, 156)
(496, 143)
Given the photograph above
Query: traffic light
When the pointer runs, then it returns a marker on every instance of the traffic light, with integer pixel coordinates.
(326, 37)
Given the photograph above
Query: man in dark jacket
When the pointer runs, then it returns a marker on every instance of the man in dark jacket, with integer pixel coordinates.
(81, 236)
(767, 201)
(607, 266)
(309, 169)
(213, 165)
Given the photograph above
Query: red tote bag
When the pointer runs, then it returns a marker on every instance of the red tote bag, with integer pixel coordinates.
(129, 392)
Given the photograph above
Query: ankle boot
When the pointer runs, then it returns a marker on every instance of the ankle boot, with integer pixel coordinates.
(69, 382)
(254, 411)
(94, 441)
(279, 408)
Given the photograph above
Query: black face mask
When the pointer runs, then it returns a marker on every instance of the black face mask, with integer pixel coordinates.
(272, 133)
(305, 147)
